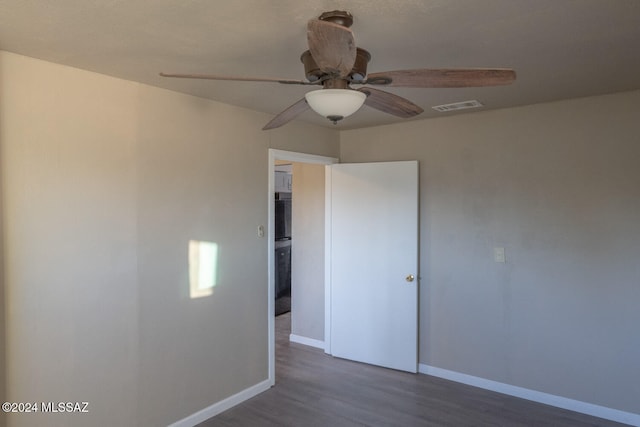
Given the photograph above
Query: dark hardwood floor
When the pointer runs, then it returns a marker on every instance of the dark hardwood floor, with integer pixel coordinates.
(314, 389)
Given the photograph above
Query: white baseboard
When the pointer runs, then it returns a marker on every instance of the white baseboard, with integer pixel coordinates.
(223, 405)
(306, 341)
(536, 396)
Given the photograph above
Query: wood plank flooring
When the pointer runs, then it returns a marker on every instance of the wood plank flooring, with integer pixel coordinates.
(314, 389)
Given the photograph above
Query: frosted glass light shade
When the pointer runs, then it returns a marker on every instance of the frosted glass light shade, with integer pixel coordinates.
(335, 104)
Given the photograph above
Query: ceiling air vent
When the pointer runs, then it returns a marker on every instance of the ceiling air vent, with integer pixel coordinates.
(457, 106)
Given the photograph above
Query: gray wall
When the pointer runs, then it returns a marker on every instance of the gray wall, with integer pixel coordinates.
(557, 185)
(104, 184)
(307, 254)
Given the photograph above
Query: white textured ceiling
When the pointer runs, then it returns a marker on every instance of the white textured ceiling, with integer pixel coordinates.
(559, 48)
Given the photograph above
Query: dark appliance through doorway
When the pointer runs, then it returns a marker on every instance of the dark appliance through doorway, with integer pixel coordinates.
(282, 253)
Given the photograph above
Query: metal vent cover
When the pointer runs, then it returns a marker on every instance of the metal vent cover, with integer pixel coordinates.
(458, 106)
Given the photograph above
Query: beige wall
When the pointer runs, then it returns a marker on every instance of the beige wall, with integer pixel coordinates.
(68, 141)
(3, 346)
(105, 181)
(558, 186)
(104, 184)
(307, 252)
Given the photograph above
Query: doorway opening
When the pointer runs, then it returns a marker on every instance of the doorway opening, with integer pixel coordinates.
(283, 200)
(306, 230)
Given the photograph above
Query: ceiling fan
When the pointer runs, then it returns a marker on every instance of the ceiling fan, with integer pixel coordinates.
(335, 63)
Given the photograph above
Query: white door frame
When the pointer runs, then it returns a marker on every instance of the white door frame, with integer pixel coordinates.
(290, 156)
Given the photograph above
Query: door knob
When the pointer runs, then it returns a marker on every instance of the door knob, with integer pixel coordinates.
(410, 278)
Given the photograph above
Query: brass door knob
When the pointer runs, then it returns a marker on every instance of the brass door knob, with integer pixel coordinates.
(410, 278)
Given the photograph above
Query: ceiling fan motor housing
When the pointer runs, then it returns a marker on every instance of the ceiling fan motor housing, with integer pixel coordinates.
(339, 17)
(313, 73)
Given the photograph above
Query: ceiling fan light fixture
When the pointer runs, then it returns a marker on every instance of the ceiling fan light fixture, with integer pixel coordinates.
(335, 104)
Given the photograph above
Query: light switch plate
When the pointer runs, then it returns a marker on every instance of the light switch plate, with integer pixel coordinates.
(498, 255)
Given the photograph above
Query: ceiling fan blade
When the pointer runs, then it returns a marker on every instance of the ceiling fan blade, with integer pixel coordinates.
(444, 77)
(390, 103)
(332, 47)
(287, 115)
(239, 79)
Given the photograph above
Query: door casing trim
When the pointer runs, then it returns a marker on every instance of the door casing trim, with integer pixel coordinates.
(291, 156)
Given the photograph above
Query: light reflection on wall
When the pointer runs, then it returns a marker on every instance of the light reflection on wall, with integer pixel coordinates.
(203, 268)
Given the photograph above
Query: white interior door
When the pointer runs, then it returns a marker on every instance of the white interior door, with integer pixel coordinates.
(374, 263)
